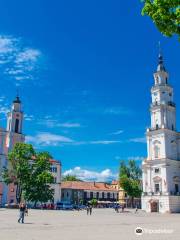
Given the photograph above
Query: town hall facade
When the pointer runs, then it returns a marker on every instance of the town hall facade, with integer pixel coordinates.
(161, 169)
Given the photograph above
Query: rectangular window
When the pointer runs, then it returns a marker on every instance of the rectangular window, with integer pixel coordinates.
(176, 188)
(156, 170)
(157, 187)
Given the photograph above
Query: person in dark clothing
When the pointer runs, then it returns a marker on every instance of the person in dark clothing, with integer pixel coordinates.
(90, 209)
(22, 209)
(87, 209)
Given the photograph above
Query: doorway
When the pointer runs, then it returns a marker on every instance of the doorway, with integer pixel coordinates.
(154, 206)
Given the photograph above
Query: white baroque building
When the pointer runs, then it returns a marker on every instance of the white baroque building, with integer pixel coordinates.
(161, 169)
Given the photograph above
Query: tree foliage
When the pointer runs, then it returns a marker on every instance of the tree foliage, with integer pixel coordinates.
(30, 173)
(94, 202)
(70, 178)
(19, 170)
(130, 179)
(165, 14)
(39, 186)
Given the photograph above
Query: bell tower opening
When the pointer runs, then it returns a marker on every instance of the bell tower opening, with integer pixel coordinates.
(17, 126)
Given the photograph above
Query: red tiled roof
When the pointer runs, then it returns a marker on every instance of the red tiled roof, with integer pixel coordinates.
(95, 186)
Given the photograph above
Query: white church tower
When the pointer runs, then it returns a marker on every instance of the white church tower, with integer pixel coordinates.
(161, 169)
(14, 124)
(8, 138)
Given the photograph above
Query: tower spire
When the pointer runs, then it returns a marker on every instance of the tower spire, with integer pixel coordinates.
(160, 66)
(17, 99)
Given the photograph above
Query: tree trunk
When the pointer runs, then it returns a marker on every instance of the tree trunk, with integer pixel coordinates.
(132, 202)
(35, 204)
(18, 193)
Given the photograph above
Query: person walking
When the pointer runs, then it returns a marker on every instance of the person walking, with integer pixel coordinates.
(22, 209)
(26, 210)
(90, 209)
(136, 210)
(87, 209)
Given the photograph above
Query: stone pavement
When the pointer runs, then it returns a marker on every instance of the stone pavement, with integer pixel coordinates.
(104, 224)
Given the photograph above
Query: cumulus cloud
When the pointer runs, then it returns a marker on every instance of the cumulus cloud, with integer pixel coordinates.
(48, 139)
(86, 175)
(18, 61)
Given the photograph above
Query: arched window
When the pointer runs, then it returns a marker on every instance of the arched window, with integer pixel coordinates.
(17, 126)
(156, 151)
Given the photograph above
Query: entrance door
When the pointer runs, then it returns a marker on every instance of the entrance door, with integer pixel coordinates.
(154, 207)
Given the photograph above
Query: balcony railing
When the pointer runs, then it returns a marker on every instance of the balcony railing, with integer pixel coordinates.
(171, 193)
(170, 103)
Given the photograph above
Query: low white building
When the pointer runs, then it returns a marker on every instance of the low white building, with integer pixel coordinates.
(161, 169)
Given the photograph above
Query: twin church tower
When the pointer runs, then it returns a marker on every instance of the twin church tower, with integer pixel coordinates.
(8, 138)
(161, 169)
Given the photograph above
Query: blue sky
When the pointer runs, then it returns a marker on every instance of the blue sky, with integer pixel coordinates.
(84, 71)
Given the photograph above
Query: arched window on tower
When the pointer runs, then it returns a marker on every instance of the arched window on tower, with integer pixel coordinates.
(157, 80)
(17, 126)
(156, 151)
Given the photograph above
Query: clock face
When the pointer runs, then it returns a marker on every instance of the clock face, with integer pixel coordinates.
(155, 94)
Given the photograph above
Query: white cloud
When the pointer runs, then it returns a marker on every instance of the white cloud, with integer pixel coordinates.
(87, 175)
(69, 125)
(17, 61)
(136, 158)
(4, 110)
(28, 117)
(51, 123)
(3, 105)
(104, 142)
(117, 111)
(48, 139)
(95, 142)
(27, 56)
(117, 132)
(138, 140)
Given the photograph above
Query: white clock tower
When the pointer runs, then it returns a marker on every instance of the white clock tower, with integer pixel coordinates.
(161, 169)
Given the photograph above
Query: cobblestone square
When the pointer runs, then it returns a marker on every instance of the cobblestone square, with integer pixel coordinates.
(104, 224)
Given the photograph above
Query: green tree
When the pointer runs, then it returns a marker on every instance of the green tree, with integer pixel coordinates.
(39, 189)
(19, 170)
(94, 202)
(130, 179)
(30, 173)
(165, 14)
(70, 178)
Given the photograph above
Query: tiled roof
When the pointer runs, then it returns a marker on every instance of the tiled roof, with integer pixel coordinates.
(94, 186)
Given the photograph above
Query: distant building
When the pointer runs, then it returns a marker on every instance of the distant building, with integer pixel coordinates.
(82, 192)
(123, 198)
(8, 138)
(161, 169)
